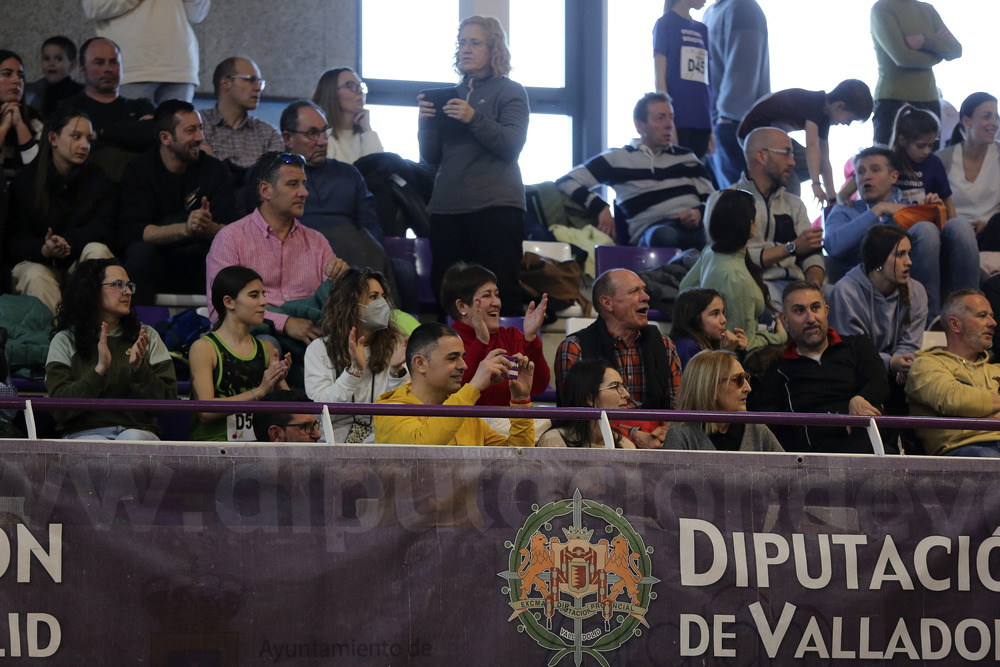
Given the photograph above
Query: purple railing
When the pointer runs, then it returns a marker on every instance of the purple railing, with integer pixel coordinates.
(535, 412)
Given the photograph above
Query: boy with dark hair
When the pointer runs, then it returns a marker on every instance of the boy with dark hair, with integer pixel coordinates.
(813, 111)
(56, 84)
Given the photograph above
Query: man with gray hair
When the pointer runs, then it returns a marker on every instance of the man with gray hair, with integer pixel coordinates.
(232, 133)
(660, 188)
(957, 380)
(622, 334)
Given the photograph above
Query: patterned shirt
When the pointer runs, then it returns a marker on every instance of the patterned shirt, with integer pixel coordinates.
(241, 145)
(629, 363)
(290, 269)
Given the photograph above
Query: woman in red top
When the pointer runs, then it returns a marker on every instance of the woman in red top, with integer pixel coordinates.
(470, 296)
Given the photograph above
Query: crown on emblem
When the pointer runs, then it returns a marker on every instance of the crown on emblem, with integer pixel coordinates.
(577, 533)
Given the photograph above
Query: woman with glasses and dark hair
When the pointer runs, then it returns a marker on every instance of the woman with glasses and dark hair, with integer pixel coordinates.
(20, 125)
(341, 95)
(62, 210)
(101, 350)
(474, 134)
(362, 353)
(725, 267)
(714, 381)
(229, 363)
(590, 383)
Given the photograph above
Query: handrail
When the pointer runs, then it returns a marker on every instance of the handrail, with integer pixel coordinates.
(532, 412)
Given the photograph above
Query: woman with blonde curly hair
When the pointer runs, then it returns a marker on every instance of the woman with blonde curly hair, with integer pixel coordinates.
(714, 381)
(473, 134)
(362, 353)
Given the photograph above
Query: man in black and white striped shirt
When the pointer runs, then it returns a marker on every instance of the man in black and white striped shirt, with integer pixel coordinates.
(660, 188)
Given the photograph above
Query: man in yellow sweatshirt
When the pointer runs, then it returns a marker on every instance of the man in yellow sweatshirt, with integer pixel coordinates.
(435, 358)
(957, 380)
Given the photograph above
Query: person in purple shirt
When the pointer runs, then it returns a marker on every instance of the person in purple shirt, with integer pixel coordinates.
(680, 55)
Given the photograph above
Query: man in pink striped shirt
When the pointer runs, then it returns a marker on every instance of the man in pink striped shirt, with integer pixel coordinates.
(292, 259)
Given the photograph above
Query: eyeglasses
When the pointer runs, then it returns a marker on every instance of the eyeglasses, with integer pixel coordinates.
(474, 43)
(307, 427)
(288, 158)
(313, 133)
(249, 78)
(121, 285)
(617, 386)
(355, 86)
(787, 152)
(739, 379)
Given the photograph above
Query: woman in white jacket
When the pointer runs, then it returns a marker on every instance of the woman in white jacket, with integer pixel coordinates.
(361, 355)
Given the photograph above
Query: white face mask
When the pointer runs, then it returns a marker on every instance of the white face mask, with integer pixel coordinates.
(375, 315)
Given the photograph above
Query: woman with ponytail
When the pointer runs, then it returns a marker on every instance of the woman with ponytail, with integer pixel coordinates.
(972, 161)
(725, 266)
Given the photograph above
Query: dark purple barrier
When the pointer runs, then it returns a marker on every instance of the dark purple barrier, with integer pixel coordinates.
(162, 554)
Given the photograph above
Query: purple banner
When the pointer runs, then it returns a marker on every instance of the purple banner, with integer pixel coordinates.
(365, 555)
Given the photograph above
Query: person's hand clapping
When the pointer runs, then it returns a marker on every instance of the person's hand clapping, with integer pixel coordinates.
(137, 352)
(275, 372)
(535, 317)
(356, 349)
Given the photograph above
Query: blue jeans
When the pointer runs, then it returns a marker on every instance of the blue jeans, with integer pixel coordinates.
(672, 233)
(112, 433)
(988, 449)
(944, 260)
(728, 161)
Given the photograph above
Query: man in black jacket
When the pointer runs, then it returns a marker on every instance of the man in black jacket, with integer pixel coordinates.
(821, 371)
(175, 199)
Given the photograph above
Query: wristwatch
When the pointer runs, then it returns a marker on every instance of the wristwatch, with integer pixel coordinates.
(790, 247)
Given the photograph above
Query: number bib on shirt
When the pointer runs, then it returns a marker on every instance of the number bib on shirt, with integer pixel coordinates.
(693, 67)
(239, 427)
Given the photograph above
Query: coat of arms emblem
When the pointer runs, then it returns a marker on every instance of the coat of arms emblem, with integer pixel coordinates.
(575, 594)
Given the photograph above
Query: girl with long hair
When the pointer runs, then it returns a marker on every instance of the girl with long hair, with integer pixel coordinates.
(714, 381)
(590, 383)
(229, 363)
(724, 266)
(62, 210)
(341, 95)
(20, 125)
(699, 323)
(101, 350)
(879, 299)
(361, 354)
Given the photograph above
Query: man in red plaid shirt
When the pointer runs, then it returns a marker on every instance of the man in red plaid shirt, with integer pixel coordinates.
(622, 334)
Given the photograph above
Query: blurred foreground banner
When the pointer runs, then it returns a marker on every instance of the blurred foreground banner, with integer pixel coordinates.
(117, 554)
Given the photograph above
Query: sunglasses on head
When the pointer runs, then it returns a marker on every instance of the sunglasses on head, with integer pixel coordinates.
(288, 158)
